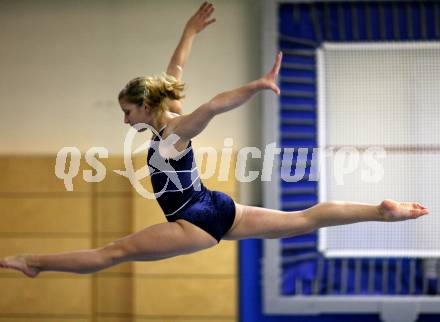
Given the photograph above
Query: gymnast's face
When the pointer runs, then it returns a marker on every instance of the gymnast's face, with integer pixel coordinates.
(134, 114)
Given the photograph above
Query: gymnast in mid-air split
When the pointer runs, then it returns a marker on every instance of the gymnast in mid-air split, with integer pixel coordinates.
(198, 218)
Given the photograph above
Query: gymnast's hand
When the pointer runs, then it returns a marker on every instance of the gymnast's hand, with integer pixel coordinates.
(269, 81)
(200, 20)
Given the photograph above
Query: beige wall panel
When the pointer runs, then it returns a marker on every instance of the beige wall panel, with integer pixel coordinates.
(224, 186)
(215, 181)
(185, 296)
(36, 174)
(146, 212)
(115, 294)
(218, 260)
(45, 319)
(113, 182)
(114, 214)
(125, 269)
(139, 162)
(46, 296)
(114, 319)
(11, 246)
(45, 215)
(41, 245)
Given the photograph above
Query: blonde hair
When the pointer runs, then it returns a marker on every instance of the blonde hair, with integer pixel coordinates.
(152, 90)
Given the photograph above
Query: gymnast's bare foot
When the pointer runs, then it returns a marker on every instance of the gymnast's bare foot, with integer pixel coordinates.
(19, 263)
(396, 211)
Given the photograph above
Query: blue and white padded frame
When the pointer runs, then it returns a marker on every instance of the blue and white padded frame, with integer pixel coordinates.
(296, 278)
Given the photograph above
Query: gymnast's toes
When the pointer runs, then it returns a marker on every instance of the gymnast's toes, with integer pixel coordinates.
(396, 211)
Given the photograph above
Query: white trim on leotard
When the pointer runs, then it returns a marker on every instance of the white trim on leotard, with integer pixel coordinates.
(180, 190)
(184, 204)
(168, 171)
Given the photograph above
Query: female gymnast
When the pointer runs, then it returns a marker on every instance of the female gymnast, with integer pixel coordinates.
(197, 217)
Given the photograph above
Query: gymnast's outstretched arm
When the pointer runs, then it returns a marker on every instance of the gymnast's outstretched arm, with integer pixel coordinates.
(188, 126)
(199, 21)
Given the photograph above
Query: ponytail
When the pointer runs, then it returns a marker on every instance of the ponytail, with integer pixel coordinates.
(153, 90)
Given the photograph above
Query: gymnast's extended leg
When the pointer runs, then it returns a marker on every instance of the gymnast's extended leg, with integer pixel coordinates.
(255, 222)
(153, 243)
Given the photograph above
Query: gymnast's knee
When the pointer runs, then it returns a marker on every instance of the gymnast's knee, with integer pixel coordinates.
(113, 253)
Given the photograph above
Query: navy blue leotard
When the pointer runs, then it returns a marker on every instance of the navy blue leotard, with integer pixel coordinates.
(182, 195)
